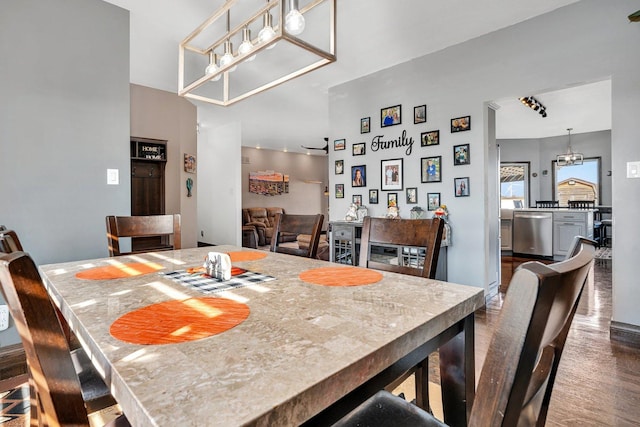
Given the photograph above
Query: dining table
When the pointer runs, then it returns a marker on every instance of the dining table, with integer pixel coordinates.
(286, 341)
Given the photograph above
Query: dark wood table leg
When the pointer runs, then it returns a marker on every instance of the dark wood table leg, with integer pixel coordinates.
(457, 375)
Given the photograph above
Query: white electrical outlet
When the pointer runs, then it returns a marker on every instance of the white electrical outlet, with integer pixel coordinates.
(4, 317)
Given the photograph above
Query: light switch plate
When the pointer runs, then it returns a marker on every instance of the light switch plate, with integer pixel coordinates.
(633, 169)
(4, 317)
(113, 177)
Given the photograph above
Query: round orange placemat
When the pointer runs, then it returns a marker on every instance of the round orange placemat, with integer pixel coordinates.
(179, 321)
(118, 271)
(341, 276)
(246, 256)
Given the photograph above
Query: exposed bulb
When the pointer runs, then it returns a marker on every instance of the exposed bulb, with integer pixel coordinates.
(246, 46)
(267, 32)
(212, 68)
(227, 58)
(294, 22)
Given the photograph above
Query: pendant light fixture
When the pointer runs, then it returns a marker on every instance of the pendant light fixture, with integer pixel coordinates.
(227, 58)
(569, 158)
(294, 22)
(212, 68)
(267, 32)
(246, 46)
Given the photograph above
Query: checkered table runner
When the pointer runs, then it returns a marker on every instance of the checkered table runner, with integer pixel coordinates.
(209, 285)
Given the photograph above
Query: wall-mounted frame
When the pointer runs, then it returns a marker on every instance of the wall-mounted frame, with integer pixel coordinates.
(461, 186)
(365, 125)
(431, 169)
(189, 163)
(460, 124)
(356, 199)
(390, 116)
(359, 176)
(392, 199)
(339, 144)
(391, 173)
(339, 191)
(412, 195)
(430, 138)
(339, 168)
(461, 155)
(433, 201)
(419, 114)
(373, 197)
(359, 149)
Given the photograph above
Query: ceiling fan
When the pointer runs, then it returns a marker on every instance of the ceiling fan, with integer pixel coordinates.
(325, 148)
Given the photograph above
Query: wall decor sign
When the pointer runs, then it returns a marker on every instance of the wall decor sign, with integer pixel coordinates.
(390, 116)
(268, 183)
(358, 149)
(431, 168)
(430, 138)
(419, 114)
(391, 174)
(359, 176)
(377, 143)
(412, 195)
(189, 163)
(339, 167)
(365, 125)
(461, 155)
(461, 186)
(460, 124)
(392, 199)
(339, 191)
(356, 199)
(373, 197)
(339, 144)
(433, 201)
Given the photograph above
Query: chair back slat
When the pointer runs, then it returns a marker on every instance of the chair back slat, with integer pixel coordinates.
(547, 203)
(142, 226)
(582, 204)
(411, 235)
(296, 225)
(9, 241)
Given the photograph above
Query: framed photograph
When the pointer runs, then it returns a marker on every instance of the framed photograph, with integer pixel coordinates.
(431, 168)
(373, 197)
(339, 167)
(392, 199)
(189, 163)
(461, 186)
(365, 125)
(339, 191)
(390, 116)
(433, 201)
(419, 114)
(430, 138)
(339, 144)
(460, 124)
(461, 155)
(412, 195)
(356, 199)
(359, 176)
(358, 149)
(391, 174)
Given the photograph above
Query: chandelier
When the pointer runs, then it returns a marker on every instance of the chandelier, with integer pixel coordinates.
(211, 71)
(569, 158)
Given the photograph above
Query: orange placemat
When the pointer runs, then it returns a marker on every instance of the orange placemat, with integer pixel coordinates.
(341, 276)
(246, 256)
(118, 271)
(174, 322)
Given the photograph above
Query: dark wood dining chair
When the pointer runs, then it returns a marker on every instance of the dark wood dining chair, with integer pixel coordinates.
(52, 373)
(296, 225)
(166, 227)
(581, 204)
(547, 204)
(519, 371)
(9, 241)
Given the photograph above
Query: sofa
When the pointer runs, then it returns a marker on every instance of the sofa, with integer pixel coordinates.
(263, 219)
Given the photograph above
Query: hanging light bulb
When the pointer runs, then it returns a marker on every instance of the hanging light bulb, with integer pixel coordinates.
(227, 58)
(267, 32)
(246, 46)
(212, 68)
(294, 22)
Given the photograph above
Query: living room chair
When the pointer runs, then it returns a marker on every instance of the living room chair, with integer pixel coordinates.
(287, 226)
(145, 226)
(52, 373)
(519, 371)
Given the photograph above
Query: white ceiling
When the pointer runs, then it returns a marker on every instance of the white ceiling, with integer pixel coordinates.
(371, 35)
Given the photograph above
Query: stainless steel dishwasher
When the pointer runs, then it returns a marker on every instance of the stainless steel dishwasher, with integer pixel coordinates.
(533, 233)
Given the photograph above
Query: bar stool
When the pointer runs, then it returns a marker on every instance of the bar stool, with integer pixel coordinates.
(605, 236)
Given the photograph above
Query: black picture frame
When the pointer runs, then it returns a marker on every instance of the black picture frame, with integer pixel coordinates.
(419, 114)
(359, 149)
(359, 181)
(461, 155)
(339, 191)
(391, 174)
(356, 199)
(390, 116)
(461, 187)
(373, 197)
(365, 125)
(339, 144)
(412, 195)
(433, 201)
(392, 199)
(431, 169)
(339, 167)
(429, 138)
(461, 124)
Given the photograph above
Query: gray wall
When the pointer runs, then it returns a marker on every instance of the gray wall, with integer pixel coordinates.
(586, 41)
(64, 120)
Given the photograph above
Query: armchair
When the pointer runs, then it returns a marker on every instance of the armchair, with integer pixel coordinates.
(264, 220)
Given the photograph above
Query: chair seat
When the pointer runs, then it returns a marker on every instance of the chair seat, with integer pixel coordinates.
(94, 390)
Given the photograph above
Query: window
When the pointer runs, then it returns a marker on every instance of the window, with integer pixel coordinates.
(577, 182)
(514, 185)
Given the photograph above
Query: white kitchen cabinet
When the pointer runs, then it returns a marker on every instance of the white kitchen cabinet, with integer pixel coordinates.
(567, 225)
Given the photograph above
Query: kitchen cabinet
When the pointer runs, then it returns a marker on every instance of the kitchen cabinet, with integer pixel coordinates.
(567, 225)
